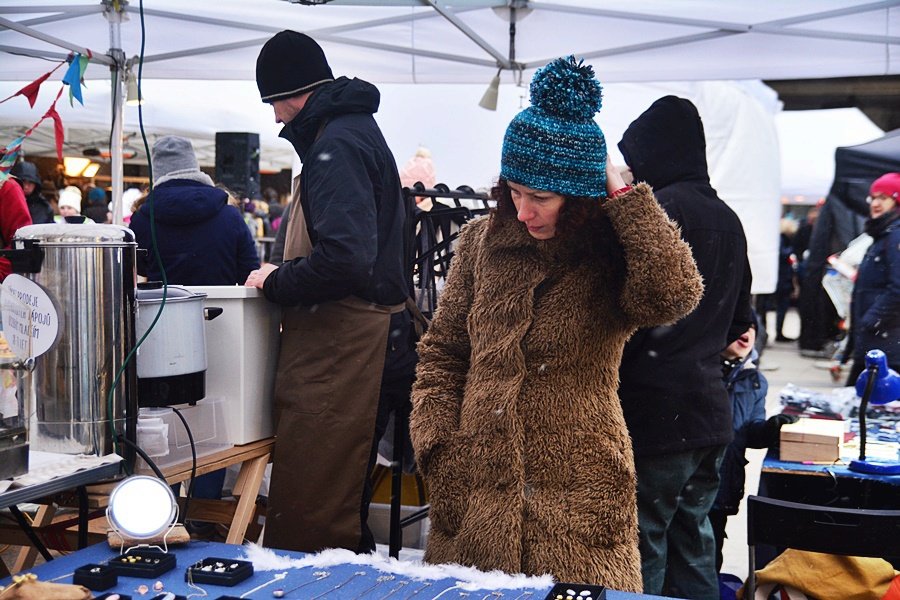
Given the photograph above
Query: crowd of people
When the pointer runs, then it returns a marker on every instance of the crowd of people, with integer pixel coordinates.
(582, 399)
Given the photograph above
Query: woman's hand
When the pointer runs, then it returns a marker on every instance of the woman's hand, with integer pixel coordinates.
(258, 277)
(614, 179)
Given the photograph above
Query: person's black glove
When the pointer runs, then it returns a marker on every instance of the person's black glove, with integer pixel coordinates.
(773, 428)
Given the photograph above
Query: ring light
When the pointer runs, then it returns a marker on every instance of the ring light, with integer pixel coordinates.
(142, 507)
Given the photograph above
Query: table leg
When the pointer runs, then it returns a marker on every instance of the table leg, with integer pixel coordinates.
(27, 555)
(82, 517)
(247, 485)
(29, 532)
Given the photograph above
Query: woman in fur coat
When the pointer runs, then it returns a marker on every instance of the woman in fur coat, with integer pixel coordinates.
(516, 421)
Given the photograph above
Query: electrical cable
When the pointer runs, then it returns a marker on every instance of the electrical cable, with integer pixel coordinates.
(143, 455)
(190, 490)
(130, 356)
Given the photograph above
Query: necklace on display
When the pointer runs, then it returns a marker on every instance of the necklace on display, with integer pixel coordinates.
(396, 589)
(278, 577)
(417, 590)
(494, 594)
(378, 582)
(279, 593)
(524, 595)
(340, 585)
(453, 587)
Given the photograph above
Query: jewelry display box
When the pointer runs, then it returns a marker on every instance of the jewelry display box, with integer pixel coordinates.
(576, 591)
(219, 571)
(95, 577)
(143, 563)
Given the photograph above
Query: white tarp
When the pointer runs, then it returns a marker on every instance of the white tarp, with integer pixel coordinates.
(467, 41)
(431, 41)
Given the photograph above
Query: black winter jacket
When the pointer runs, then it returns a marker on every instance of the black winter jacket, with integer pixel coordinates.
(671, 385)
(201, 239)
(39, 207)
(352, 201)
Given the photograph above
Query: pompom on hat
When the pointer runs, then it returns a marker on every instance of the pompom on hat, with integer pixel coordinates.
(290, 64)
(888, 184)
(554, 144)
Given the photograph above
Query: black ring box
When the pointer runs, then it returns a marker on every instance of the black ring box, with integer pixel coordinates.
(576, 591)
(104, 578)
(162, 595)
(229, 577)
(150, 563)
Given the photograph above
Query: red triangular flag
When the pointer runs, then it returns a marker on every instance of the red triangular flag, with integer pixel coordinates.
(31, 90)
(57, 125)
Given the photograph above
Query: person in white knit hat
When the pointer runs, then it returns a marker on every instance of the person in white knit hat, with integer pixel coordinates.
(70, 201)
(70, 206)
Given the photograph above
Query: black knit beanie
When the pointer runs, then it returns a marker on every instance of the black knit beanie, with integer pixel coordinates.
(290, 64)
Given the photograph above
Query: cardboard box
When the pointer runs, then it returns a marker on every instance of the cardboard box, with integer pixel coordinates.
(819, 440)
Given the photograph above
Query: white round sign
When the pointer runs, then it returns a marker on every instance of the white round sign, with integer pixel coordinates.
(30, 317)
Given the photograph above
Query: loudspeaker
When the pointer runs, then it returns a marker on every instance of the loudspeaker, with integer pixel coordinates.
(237, 162)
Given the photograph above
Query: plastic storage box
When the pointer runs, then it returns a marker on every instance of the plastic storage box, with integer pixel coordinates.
(241, 354)
(157, 425)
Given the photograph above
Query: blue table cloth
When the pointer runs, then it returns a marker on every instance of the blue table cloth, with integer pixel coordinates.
(343, 582)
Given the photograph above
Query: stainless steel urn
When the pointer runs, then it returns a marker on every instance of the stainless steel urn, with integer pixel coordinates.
(89, 273)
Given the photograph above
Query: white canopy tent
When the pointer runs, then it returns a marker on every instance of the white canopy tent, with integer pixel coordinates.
(469, 41)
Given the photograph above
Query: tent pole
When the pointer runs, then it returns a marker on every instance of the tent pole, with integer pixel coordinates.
(118, 112)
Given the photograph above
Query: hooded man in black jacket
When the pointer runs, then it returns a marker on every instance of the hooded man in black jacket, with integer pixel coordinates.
(347, 356)
(675, 403)
(38, 206)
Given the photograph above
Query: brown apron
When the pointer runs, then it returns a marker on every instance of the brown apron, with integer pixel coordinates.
(326, 396)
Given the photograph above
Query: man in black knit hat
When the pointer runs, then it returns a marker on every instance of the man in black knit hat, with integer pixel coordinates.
(347, 356)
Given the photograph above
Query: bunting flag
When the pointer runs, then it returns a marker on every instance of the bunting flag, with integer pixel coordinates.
(10, 154)
(74, 77)
(14, 148)
(31, 90)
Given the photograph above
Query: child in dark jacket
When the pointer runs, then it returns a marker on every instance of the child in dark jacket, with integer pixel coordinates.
(747, 388)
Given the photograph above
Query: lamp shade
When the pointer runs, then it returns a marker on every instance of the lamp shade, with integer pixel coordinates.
(886, 387)
(489, 100)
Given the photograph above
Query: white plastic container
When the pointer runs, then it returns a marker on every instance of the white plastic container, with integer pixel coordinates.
(206, 420)
(242, 353)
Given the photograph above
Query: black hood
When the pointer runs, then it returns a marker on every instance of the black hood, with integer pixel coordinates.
(666, 144)
(340, 97)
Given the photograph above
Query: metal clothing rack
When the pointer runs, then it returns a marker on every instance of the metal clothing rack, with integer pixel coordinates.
(430, 246)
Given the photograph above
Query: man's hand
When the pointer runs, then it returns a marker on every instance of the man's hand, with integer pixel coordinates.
(258, 277)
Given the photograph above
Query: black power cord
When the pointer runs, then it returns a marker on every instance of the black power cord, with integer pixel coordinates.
(190, 491)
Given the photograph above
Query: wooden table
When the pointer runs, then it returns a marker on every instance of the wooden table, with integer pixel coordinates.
(252, 458)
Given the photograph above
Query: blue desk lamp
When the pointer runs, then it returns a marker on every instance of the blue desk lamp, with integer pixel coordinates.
(877, 384)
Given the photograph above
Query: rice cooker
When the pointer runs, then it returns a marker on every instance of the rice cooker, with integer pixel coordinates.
(171, 335)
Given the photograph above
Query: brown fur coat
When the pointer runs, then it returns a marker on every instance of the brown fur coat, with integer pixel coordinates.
(516, 421)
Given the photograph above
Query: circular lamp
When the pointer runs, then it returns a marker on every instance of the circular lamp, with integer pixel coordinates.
(142, 507)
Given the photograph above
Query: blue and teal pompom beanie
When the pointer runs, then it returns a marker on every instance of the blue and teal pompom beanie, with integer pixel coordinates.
(554, 144)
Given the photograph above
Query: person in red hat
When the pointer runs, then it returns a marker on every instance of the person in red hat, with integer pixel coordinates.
(875, 304)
